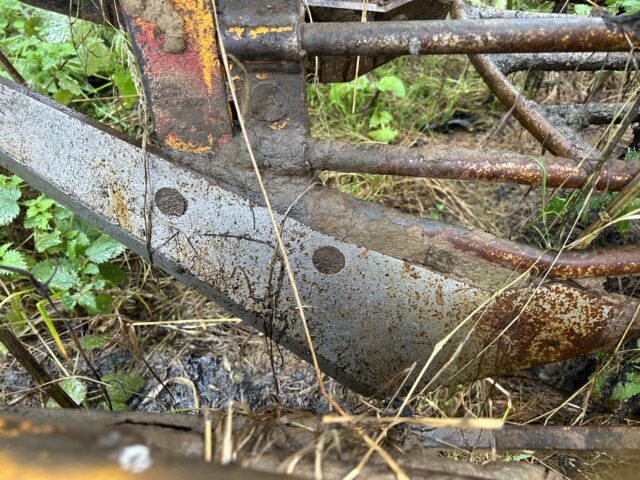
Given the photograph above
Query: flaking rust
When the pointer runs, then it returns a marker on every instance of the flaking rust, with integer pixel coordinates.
(162, 13)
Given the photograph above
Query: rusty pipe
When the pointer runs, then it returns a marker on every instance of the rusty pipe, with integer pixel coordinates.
(429, 37)
(466, 164)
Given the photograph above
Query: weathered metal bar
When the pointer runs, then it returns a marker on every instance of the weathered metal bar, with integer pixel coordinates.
(40, 444)
(51, 444)
(359, 5)
(176, 49)
(535, 437)
(555, 62)
(216, 240)
(581, 115)
(437, 37)
(465, 164)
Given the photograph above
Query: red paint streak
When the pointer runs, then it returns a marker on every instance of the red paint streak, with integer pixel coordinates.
(159, 62)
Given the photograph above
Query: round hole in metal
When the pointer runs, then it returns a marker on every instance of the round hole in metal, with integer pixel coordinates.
(170, 202)
(328, 260)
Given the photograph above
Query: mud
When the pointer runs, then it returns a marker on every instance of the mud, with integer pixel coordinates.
(161, 13)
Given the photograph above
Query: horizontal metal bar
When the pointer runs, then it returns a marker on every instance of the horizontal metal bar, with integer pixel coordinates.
(376, 6)
(535, 437)
(464, 164)
(574, 61)
(580, 116)
(529, 35)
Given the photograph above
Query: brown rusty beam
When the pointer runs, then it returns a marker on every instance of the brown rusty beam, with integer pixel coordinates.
(52, 444)
(535, 437)
(481, 165)
(432, 37)
(466, 164)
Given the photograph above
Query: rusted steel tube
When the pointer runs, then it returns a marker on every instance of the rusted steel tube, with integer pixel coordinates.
(609, 262)
(526, 35)
(465, 164)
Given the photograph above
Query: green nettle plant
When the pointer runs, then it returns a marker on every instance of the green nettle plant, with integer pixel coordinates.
(69, 254)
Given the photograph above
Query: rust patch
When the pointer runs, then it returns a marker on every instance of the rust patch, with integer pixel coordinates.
(258, 31)
(120, 210)
(439, 294)
(183, 86)
(555, 323)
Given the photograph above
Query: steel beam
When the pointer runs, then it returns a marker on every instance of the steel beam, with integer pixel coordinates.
(371, 316)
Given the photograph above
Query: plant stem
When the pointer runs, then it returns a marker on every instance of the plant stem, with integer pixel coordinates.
(34, 369)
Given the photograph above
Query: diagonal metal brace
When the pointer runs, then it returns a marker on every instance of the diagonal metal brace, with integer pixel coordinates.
(371, 315)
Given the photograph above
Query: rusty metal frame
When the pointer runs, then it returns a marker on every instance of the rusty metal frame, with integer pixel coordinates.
(371, 277)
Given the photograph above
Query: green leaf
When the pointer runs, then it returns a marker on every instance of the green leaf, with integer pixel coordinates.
(75, 388)
(63, 97)
(68, 301)
(91, 342)
(88, 301)
(12, 258)
(626, 390)
(65, 278)
(384, 135)
(104, 303)
(8, 182)
(46, 240)
(629, 6)
(71, 85)
(380, 118)
(56, 29)
(116, 406)
(39, 221)
(31, 26)
(4, 248)
(114, 274)
(94, 56)
(126, 87)
(584, 10)
(38, 213)
(38, 205)
(104, 249)
(9, 208)
(123, 386)
(91, 269)
(392, 84)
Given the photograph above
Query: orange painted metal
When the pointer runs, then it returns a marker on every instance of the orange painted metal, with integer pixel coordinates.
(181, 74)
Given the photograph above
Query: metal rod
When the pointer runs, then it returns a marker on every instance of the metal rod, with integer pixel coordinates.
(535, 437)
(466, 164)
(526, 35)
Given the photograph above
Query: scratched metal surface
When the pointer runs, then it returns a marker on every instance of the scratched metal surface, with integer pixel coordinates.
(371, 316)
